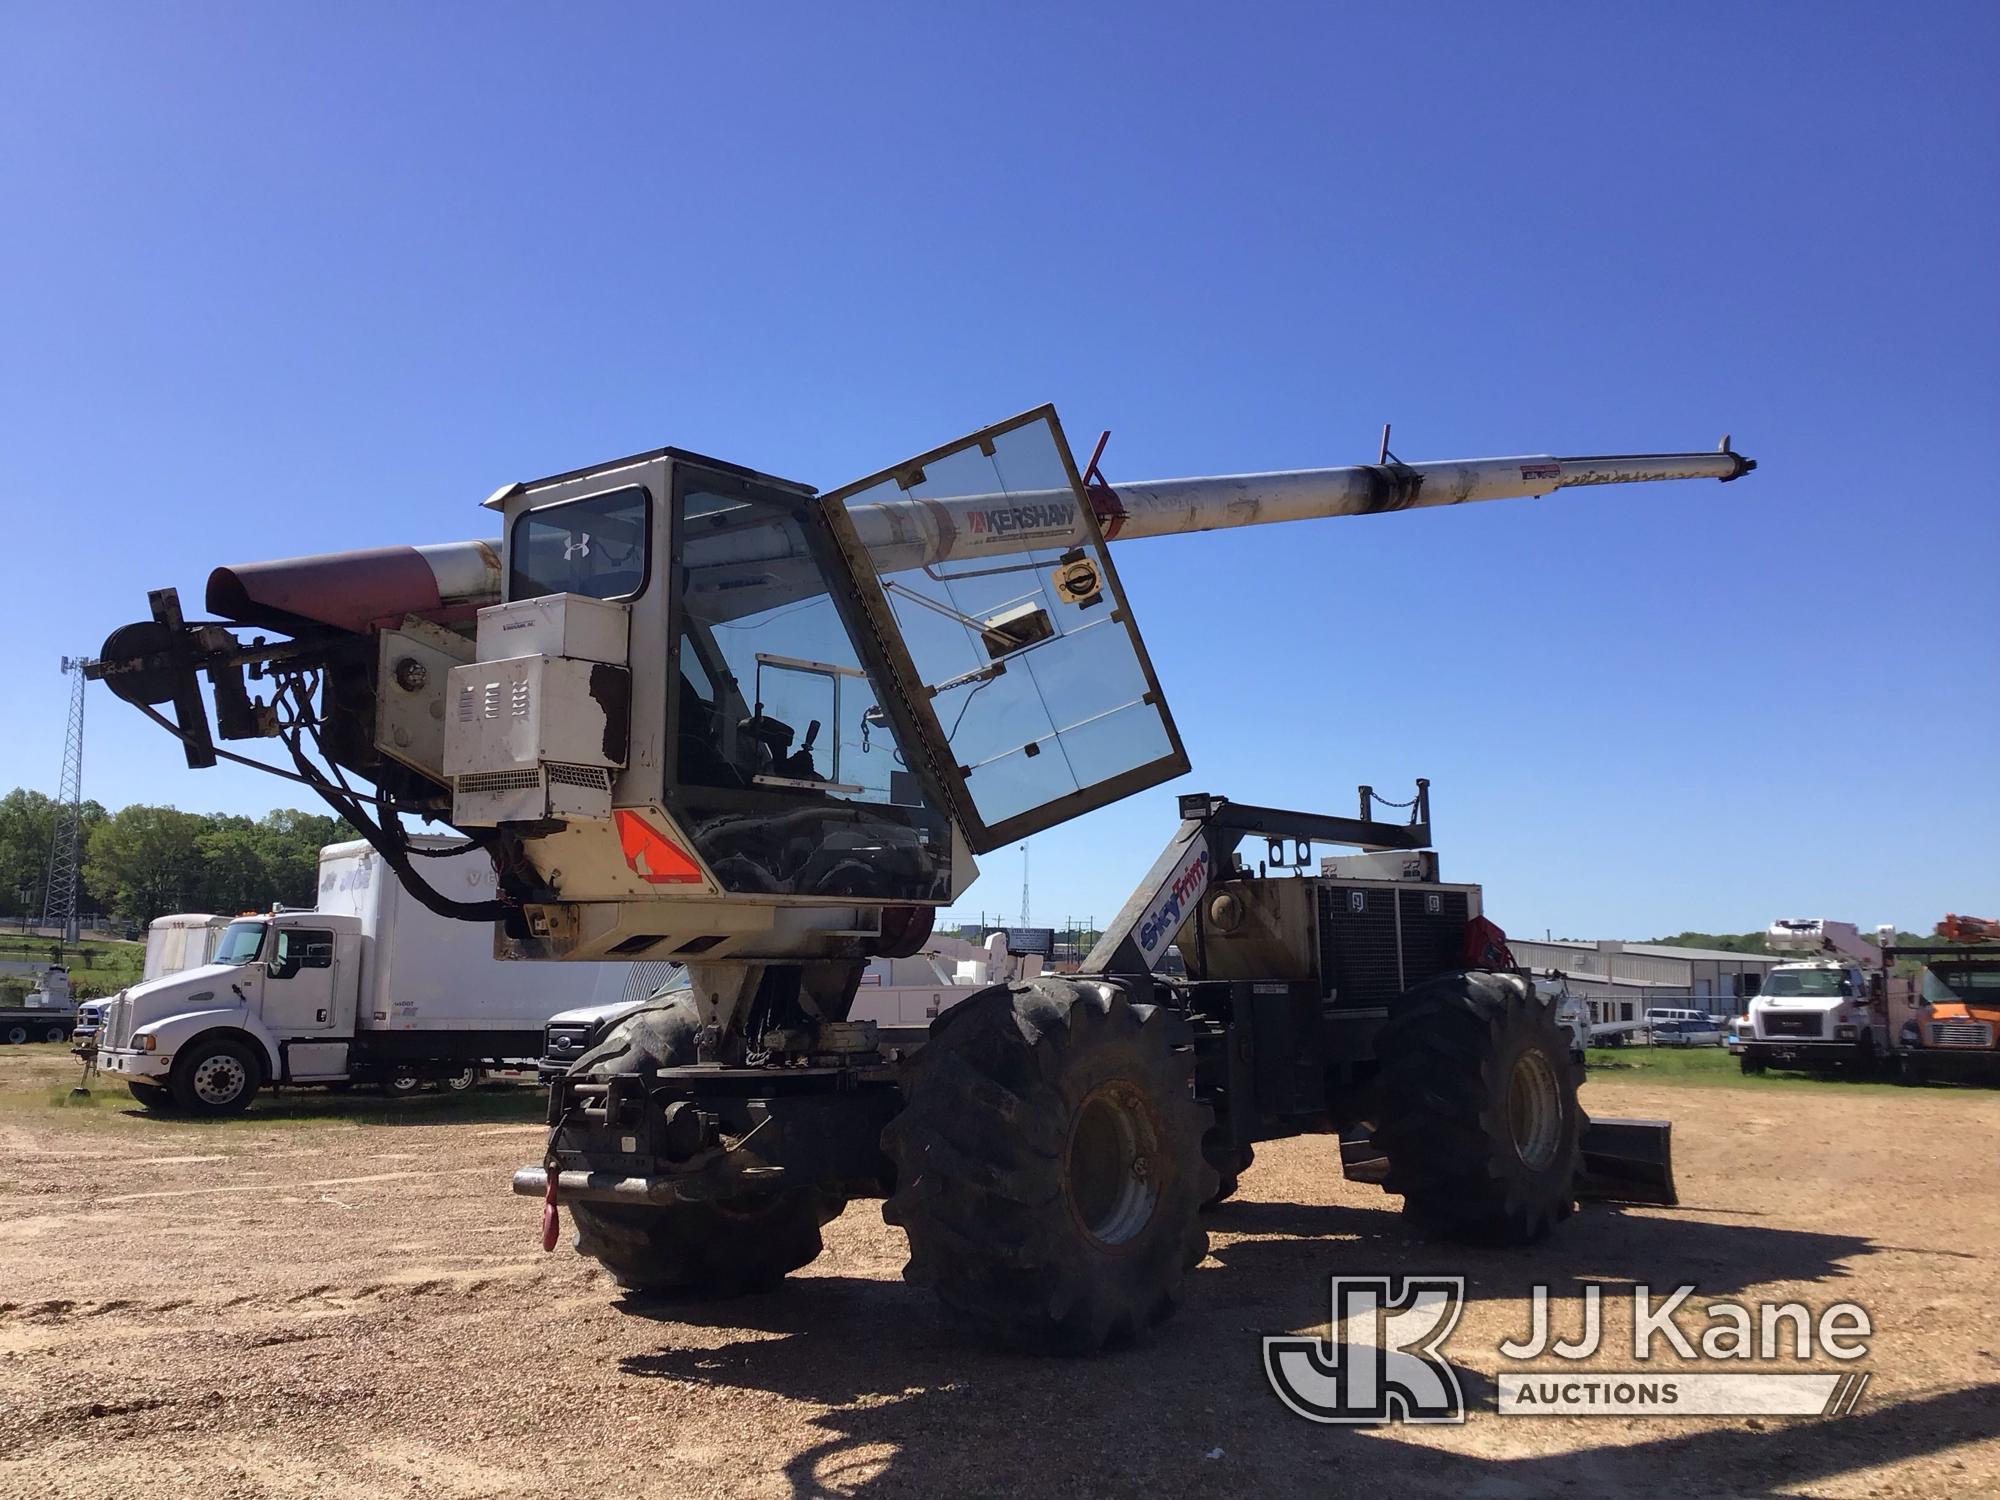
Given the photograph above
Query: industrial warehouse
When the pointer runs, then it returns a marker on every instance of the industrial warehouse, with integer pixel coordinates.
(785, 754)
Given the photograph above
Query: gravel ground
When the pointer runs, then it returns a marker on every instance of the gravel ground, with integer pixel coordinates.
(340, 1298)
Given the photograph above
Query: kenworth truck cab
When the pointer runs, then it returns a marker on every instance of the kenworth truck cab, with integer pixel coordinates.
(277, 1004)
(1827, 1011)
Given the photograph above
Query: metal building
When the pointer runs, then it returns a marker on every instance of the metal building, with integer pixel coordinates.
(1622, 981)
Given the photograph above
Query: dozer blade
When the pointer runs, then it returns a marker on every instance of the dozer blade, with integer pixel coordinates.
(1628, 1161)
(1361, 1159)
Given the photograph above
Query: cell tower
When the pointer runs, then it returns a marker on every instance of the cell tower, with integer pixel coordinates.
(1024, 885)
(59, 907)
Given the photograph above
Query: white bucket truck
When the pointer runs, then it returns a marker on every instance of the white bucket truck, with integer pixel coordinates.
(1825, 1011)
(369, 987)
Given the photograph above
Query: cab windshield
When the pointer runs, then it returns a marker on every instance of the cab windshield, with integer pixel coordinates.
(240, 942)
(1945, 985)
(1823, 983)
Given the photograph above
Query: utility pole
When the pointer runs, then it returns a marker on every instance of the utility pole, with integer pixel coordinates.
(59, 904)
(1024, 885)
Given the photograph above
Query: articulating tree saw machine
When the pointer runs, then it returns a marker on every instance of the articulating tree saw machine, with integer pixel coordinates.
(697, 713)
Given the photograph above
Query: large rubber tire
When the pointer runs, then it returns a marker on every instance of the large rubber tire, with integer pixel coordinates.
(1750, 1067)
(151, 1095)
(1479, 1116)
(56, 1034)
(720, 1249)
(1228, 1162)
(17, 1036)
(215, 1077)
(1049, 1169)
(705, 1249)
(402, 1082)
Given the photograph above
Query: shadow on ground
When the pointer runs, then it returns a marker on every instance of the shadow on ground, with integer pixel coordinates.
(915, 1409)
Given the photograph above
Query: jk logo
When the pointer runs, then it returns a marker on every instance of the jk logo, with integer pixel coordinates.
(1380, 1361)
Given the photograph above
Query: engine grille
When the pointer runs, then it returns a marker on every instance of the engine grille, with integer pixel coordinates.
(1800, 1023)
(118, 1023)
(1357, 945)
(1360, 960)
(1961, 1034)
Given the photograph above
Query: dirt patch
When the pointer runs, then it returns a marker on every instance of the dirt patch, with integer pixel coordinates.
(351, 1304)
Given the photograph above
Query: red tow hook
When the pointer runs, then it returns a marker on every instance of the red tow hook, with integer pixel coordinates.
(551, 1216)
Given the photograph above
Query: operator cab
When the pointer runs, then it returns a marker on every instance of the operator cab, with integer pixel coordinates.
(769, 693)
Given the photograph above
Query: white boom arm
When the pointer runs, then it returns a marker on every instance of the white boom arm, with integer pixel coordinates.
(915, 532)
(1822, 939)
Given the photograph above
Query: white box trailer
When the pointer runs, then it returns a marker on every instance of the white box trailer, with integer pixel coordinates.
(368, 987)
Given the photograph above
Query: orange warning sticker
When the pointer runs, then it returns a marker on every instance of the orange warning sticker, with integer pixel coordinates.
(654, 857)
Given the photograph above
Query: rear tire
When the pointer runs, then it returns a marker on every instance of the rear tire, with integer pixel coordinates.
(57, 1034)
(1049, 1167)
(402, 1082)
(463, 1081)
(724, 1249)
(1479, 1115)
(17, 1036)
(151, 1095)
(218, 1077)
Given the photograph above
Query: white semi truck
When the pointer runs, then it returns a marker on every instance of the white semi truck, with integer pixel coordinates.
(369, 987)
(1825, 1011)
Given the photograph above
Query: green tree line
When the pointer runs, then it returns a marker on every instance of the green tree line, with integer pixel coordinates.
(141, 861)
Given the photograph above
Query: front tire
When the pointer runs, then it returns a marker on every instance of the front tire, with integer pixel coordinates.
(1751, 1067)
(725, 1249)
(1479, 1115)
(1049, 1167)
(151, 1095)
(721, 1249)
(218, 1077)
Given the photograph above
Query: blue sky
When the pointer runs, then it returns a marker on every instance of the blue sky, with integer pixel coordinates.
(286, 279)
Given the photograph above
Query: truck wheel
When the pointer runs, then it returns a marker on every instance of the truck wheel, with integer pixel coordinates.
(1752, 1067)
(463, 1081)
(1910, 1069)
(723, 1249)
(1479, 1115)
(218, 1077)
(150, 1094)
(401, 1083)
(1229, 1163)
(1049, 1169)
(57, 1034)
(17, 1035)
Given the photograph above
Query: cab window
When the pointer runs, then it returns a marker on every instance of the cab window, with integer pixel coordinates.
(598, 546)
(299, 948)
(240, 942)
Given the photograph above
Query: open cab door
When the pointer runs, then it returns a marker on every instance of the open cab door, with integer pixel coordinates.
(1016, 671)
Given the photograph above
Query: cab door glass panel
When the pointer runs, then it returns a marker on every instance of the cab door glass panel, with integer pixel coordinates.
(787, 775)
(771, 690)
(1033, 681)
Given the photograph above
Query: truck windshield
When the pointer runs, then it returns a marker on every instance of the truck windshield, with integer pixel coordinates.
(1941, 985)
(240, 942)
(1807, 982)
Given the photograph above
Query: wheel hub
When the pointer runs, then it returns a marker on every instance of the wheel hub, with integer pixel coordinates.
(1113, 1167)
(1534, 1110)
(218, 1080)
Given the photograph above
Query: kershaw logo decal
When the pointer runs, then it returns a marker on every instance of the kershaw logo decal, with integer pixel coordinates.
(1169, 909)
(1379, 1362)
(1009, 518)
